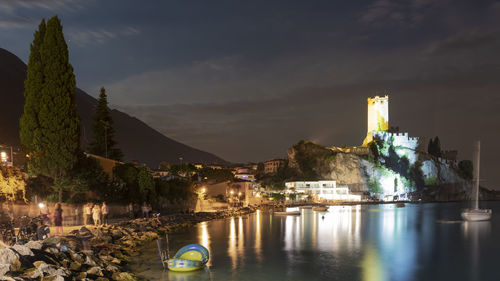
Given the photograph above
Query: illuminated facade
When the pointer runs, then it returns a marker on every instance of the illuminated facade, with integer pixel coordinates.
(327, 190)
(378, 117)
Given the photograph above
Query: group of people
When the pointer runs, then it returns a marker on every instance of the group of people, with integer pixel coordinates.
(96, 214)
(57, 216)
(136, 211)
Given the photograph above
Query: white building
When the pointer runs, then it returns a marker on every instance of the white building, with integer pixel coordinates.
(323, 190)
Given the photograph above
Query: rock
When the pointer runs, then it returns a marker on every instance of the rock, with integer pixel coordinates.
(117, 234)
(75, 266)
(52, 250)
(52, 241)
(123, 276)
(7, 256)
(112, 268)
(37, 264)
(95, 271)
(81, 276)
(102, 279)
(37, 245)
(23, 250)
(4, 268)
(89, 261)
(77, 257)
(54, 278)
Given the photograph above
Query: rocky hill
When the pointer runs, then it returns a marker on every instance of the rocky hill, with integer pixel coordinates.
(387, 170)
(136, 139)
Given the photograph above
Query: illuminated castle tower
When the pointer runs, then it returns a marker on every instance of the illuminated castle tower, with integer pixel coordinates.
(378, 117)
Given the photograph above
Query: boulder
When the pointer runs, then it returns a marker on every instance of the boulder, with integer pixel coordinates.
(90, 261)
(4, 268)
(23, 250)
(36, 245)
(7, 256)
(123, 276)
(75, 266)
(95, 271)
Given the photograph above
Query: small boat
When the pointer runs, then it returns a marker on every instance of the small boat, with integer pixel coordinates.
(400, 205)
(320, 208)
(285, 213)
(474, 213)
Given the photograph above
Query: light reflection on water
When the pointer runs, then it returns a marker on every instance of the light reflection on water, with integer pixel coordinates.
(345, 243)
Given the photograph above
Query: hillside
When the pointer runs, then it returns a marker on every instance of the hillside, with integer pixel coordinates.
(136, 139)
(394, 170)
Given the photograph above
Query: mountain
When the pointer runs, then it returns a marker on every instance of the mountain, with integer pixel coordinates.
(137, 140)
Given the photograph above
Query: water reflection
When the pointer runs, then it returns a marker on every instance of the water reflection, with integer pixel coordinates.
(204, 237)
(258, 239)
(473, 232)
(231, 249)
(371, 265)
(350, 243)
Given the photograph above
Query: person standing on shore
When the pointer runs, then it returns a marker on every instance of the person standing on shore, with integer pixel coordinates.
(96, 215)
(105, 212)
(44, 212)
(58, 219)
(87, 210)
(145, 210)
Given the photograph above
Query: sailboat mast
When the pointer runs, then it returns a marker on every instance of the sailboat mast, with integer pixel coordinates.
(477, 153)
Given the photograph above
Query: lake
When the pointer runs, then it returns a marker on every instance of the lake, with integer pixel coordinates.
(363, 242)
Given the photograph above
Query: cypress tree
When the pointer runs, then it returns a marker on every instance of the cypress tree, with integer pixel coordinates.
(54, 145)
(32, 91)
(102, 128)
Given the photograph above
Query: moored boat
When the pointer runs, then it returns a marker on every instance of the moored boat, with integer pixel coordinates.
(320, 208)
(475, 213)
(289, 213)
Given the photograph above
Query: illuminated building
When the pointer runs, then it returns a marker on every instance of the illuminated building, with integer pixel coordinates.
(378, 117)
(271, 166)
(327, 190)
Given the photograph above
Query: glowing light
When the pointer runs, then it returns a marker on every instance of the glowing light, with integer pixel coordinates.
(232, 192)
(3, 156)
(239, 193)
(203, 190)
(41, 205)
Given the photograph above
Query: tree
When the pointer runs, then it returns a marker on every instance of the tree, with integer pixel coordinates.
(146, 183)
(466, 167)
(50, 110)
(434, 147)
(32, 90)
(102, 128)
(12, 183)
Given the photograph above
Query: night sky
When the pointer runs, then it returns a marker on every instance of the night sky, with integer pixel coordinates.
(247, 79)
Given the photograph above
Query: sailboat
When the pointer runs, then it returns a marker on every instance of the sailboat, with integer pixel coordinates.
(474, 213)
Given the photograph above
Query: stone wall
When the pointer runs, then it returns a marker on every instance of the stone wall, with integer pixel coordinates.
(72, 213)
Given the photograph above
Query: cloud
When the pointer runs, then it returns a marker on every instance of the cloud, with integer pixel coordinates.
(390, 12)
(466, 41)
(9, 6)
(16, 22)
(13, 14)
(85, 37)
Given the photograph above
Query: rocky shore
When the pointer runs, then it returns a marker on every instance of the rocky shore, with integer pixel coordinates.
(96, 253)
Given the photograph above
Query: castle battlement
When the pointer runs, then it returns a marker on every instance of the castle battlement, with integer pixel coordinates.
(398, 139)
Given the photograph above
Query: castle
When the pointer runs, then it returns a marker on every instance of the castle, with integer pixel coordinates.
(378, 117)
